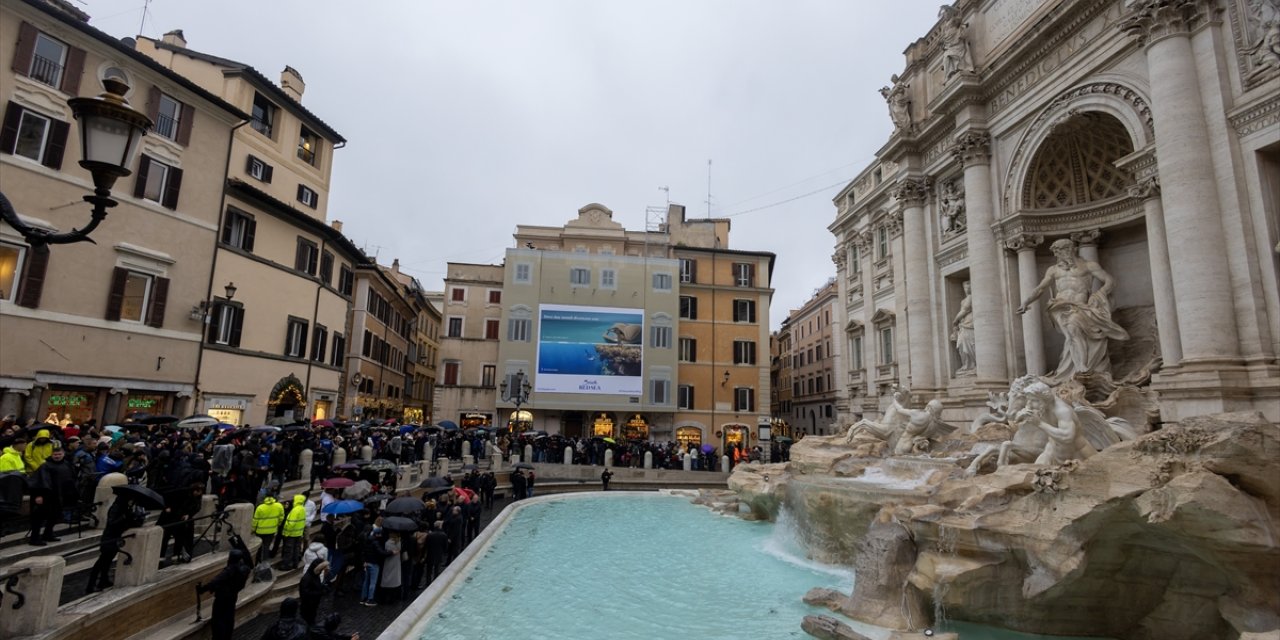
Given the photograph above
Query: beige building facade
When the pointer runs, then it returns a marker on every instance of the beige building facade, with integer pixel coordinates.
(814, 372)
(99, 331)
(1143, 132)
(471, 313)
(382, 329)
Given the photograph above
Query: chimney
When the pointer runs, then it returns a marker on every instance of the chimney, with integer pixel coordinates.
(337, 225)
(291, 82)
(175, 38)
(395, 265)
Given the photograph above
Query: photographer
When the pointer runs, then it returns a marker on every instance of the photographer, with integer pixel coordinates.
(226, 588)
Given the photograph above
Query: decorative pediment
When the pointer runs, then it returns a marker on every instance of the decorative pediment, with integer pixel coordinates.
(882, 315)
(596, 216)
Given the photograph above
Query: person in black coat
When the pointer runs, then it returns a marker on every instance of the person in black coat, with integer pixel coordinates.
(455, 527)
(330, 631)
(120, 518)
(288, 626)
(437, 545)
(488, 483)
(311, 589)
(226, 588)
(53, 488)
(519, 485)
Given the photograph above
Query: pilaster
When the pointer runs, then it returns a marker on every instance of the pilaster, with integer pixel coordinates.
(911, 193)
(972, 150)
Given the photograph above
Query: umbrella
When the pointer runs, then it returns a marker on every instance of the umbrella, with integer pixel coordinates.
(466, 494)
(346, 466)
(343, 507)
(398, 523)
(524, 465)
(337, 483)
(295, 428)
(224, 426)
(610, 440)
(438, 491)
(406, 428)
(357, 491)
(448, 425)
(322, 424)
(141, 495)
(435, 482)
(158, 419)
(432, 427)
(111, 428)
(529, 434)
(265, 429)
(197, 421)
(783, 439)
(280, 421)
(136, 416)
(380, 465)
(377, 497)
(708, 448)
(405, 505)
(37, 427)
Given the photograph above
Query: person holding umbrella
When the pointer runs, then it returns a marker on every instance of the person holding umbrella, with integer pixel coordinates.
(123, 515)
(226, 587)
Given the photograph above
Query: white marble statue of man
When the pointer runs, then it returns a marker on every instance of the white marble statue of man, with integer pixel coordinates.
(962, 333)
(952, 208)
(956, 57)
(899, 103)
(1057, 419)
(1083, 317)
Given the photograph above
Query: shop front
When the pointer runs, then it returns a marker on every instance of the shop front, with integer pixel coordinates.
(65, 406)
(636, 428)
(520, 421)
(227, 409)
(322, 404)
(412, 415)
(287, 399)
(602, 426)
(689, 436)
(737, 437)
(475, 420)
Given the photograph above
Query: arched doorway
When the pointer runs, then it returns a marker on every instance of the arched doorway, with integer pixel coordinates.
(287, 399)
(636, 428)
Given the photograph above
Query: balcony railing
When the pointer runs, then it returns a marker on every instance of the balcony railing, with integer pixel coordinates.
(261, 126)
(166, 127)
(46, 71)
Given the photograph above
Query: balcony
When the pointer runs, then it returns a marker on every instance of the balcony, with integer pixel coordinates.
(46, 71)
(886, 372)
(166, 127)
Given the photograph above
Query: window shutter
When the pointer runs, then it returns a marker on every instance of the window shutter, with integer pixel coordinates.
(116, 298)
(33, 277)
(266, 173)
(215, 322)
(300, 188)
(185, 121)
(302, 343)
(140, 185)
(248, 164)
(693, 308)
(159, 297)
(237, 322)
(26, 48)
(71, 74)
(250, 229)
(172, 185)
(693, 271)
(57, 144)
(153, 104)
(9, 132)
(288, 333)
(300, 256)
(228, 220)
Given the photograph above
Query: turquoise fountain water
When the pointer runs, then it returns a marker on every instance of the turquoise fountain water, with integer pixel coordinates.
(637, 566)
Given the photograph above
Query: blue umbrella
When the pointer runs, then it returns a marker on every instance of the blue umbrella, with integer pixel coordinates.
(406, 428)
(343, 507)
(448, 425)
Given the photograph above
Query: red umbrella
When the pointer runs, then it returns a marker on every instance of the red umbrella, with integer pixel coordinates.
(322, 424)
(337, 483)
(466, 494)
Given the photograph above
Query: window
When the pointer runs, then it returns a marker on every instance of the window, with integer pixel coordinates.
(35, 136)
(455, 328)
(319, 342)
(137, 297)
(659, 390)
(661, 282)
(688, 308)
(10, 267)
(518, 330)
(366, 349)
(307, 196)
(491, 329)
(856, 353)
(886, 345)
(744, 310)
(661, 337)
(744, 399)
(256, 168)
(855, 263)
(308, 144)
(488, 374)
(580, 277)
(158, 182)
(168, 114)
(264, 115)
(744, 274)
(306, 258)
(495, 296)
(346, 280)
(451, 373)
(326, 267)
(688, 350)
(882, 243)
(48, 61)
(817, 352)
(608, 278)
(458, 295)
(744, 352)
(238, 230)
(684, 396)
(688, 271)
(225, 322)
(523, 273)
(339, 350)
(295, 338)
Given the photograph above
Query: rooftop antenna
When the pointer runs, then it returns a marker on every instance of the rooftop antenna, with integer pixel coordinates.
(143, 22)
(667, 190)
(708, 187)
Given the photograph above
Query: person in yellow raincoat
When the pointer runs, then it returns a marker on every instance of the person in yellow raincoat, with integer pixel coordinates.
(38, 451)
(266, 523)
(295, 525)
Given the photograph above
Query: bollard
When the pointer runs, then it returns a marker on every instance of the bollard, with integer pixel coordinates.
(488, 449)
(688, 461)
(648, 460)
(339, 456)
(430, 452)
(528, 452)
(608, 458)
(105, 497)
(366, 452)
(466, 449)
(144, 546)
(304, 460)
(724, 464)
(41, 587)
(240, 516)
(515, 458)
(208, 504)
(568, 455)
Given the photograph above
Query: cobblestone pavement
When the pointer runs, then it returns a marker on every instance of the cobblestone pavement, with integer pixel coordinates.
(369, 621)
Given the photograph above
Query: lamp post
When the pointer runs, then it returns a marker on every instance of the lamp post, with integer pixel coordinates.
(109, 134)
(517, 391)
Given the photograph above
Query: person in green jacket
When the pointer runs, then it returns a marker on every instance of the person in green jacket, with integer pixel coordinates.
(11, 459)
(295, 524)
(38, 451)
(266, 522)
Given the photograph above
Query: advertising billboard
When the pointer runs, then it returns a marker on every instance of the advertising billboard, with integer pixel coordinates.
(590, 350)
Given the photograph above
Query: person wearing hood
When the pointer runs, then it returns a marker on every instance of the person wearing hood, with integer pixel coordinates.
(11, 459)
(288, 626)
(330, 631)
(266, 522)
(315, 551)
(295, 525)
(312, 588)
(121, 517)
(38, 451)
(226, 587)
(53, 488)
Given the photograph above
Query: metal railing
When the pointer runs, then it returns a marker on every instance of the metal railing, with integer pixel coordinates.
(46, 71)
(166, 127)
(10, 581)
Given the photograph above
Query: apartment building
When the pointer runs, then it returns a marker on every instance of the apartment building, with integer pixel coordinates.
(381, 327)
(471, 316)
(420, 372)
(815, 364)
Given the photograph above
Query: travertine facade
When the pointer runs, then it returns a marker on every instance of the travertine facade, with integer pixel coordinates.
(1146, 132)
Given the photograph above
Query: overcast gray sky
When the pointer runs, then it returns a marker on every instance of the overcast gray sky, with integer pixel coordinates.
(467, 118)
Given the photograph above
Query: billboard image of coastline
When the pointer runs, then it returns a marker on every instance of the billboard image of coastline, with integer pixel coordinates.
(590, 350)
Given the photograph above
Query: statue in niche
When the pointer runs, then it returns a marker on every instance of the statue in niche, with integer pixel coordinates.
(899, 102)
(1265, 49)
(951, 206)
(956, 57)
(962, 334)
(1083, 317)
(908, 431)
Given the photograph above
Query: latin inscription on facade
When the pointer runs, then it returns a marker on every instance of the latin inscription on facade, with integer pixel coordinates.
(1003, 16)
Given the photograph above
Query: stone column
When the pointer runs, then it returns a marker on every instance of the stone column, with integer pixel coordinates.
(304, 464)
(144, 546)
(1087, 243)
(339, 456)
(34, 404)
(1192, 215)
(41, 586)
(466, 449)
(568, 455)
(973, 151)
(912, 193)
(648, 460)
(240, 517)
(1148, 189)
(1024, 244)
(11, 402)
(608, 458)
(528, 452)
(104, 496)
(366, 452)
(111, 410)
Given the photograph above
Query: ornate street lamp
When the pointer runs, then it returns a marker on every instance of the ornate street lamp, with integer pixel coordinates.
(109, 134)
(518, 391)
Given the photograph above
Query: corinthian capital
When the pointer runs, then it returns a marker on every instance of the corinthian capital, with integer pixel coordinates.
(913, 191)
(1152, 20)
(1023, 242)
(1087, 237)
(839, 257)
(1145, 188)
(893, 222)
(972, 147)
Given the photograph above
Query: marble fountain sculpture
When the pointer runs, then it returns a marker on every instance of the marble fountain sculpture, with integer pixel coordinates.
(1067, 509)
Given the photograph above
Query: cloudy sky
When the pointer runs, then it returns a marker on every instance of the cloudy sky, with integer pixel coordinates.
(467, 118)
